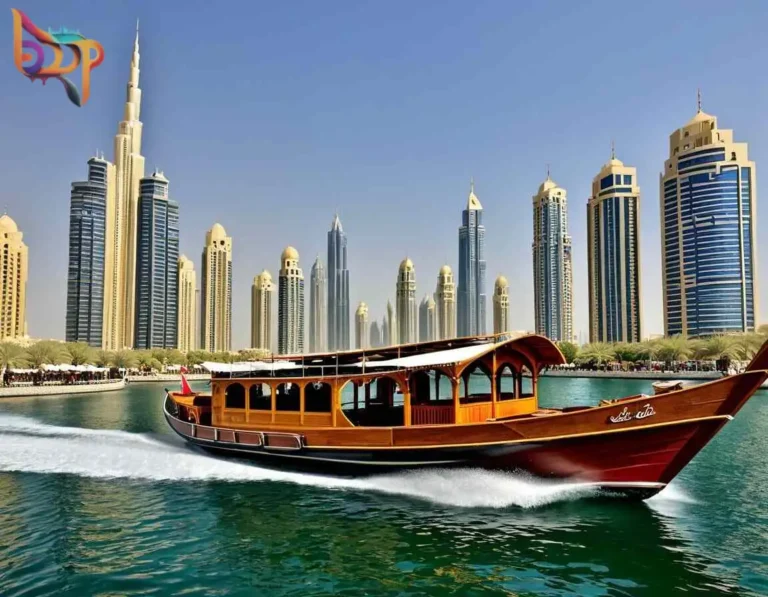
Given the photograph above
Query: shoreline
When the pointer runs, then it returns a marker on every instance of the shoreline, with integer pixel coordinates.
(60, 390)
(167, 377)
(650, 375)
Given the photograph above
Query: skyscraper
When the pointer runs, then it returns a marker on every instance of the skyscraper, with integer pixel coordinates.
(471, 314)
(187, 283)
(216, 291)
(406, 303)
(157, 256)
(427, 319)
(290, 316)
(317, 311)
(552, 269)
(85, 275)
(613, 245)
(445, 298)
(121, 220)
(261, 311)
(501, 305)
(361, 326)
(708, 231)
(338, 288)
(375, 335)
(13, 280)
(389, 327)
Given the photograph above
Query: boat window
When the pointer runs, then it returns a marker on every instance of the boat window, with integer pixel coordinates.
(234, 396)
(475, 384)
(287, 397)
(317, 397)
(378, 403)
(527, 384)
(260, 397)
(506, 381)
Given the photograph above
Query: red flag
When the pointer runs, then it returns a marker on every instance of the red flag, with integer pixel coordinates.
(184, 369)
(185, 389)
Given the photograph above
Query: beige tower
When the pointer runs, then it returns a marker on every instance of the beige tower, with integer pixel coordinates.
(407, 329)
(390, 326)
(187, 305)
(261, 311)
(361, 326)
(13, 280)
(445, 301)
(216, 299)
(290, 306)
(501, 305)
(120, 233)
(427, 319)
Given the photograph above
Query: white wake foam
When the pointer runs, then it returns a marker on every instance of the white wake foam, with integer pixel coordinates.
(29, 446)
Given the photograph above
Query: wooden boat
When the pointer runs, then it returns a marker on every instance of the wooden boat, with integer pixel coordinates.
(340, 413)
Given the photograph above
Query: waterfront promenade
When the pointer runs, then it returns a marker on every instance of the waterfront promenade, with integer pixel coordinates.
(168, 377)
(16, 391)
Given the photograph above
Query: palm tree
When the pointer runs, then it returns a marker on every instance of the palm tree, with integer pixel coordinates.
(596, 353)
(124, 359)
(103, 358)
(674, 349)
(253, 354)
(175, 357)
(79, 353)
(627, 353)
(44, 352)
(747, 345)
(11, 355)
(721, 347)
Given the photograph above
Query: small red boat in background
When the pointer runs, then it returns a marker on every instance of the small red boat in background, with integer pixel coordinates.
(418, 405)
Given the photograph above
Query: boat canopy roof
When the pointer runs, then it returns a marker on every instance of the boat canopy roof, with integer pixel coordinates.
(531, 351)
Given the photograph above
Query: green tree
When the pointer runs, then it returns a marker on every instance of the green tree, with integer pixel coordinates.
(175, 357)
(124, 359)
(570, 351)
(103, 358)
(254, 354)
(627, 353)
(45, 352)
(79, 353)
(747, 345)
(11, 355)
(596, 353)
(195, 357)
(720, 347)
(674, 349)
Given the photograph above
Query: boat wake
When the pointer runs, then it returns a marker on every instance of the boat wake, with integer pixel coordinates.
(27, 445)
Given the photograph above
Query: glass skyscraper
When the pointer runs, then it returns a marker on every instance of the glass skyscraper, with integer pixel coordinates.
(552, 263)
(708, 231)
(471, 291)
(614, 255)
(157, 255)
(338, 288)
(85, 276)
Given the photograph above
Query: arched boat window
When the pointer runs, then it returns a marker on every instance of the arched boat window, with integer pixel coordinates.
(475, 384)
(527, 384)
(234, 396)
(317, 397)
(287, 397)
(505, 383)
(260, 397)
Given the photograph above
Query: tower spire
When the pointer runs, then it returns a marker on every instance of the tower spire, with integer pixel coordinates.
(548, 176)
(471, 184)
(613, 150)
(698, 100)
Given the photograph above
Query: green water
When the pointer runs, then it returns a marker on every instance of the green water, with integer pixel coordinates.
(98, 498)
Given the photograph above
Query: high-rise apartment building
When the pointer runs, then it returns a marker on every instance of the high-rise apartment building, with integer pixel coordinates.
(290, 317)
(317, 308)
(13, 280)
(613, 247)
(501, 305)
(157, 257)
(187, 316)
(407, 330)
(361, 326)
(389, 327)
(471, 291)
(708, 228)
(216, 291)
(552, 263)
(375, 335)
(262, 291)
(85, 273)
(427, 319)
(445, 300)
(338, 288)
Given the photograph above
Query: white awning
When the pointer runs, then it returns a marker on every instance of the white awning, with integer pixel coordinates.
(432, 359)
(249, 366)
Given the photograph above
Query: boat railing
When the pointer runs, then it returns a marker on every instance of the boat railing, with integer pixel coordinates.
(430, 414)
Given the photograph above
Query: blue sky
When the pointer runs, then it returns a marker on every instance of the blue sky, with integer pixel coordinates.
(268, 117)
